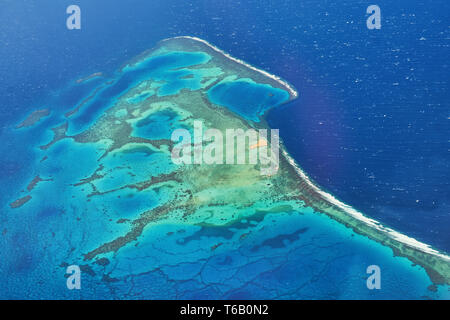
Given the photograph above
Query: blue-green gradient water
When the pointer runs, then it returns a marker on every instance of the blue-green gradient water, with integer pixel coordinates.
(371, 126)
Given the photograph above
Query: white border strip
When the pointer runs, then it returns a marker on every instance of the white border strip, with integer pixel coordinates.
(359, 216)
(411, 242)
(291, 90)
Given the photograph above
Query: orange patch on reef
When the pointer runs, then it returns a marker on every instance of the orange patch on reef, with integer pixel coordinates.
(261, 143)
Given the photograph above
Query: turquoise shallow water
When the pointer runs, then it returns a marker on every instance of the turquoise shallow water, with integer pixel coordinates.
(378, 146)
(249, 100)
(167, 67)
(288, 255)
(150, 126)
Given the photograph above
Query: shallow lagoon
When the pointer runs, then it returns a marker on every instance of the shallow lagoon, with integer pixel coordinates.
(141, 227)
(246, 98)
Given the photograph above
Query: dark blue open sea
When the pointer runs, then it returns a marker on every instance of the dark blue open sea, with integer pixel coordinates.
(372, 121)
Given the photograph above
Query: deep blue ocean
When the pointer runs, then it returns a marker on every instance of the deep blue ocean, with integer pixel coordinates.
(372, 122)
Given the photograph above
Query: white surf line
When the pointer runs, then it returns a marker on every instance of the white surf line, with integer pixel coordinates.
(411, 242)
(291, 90)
